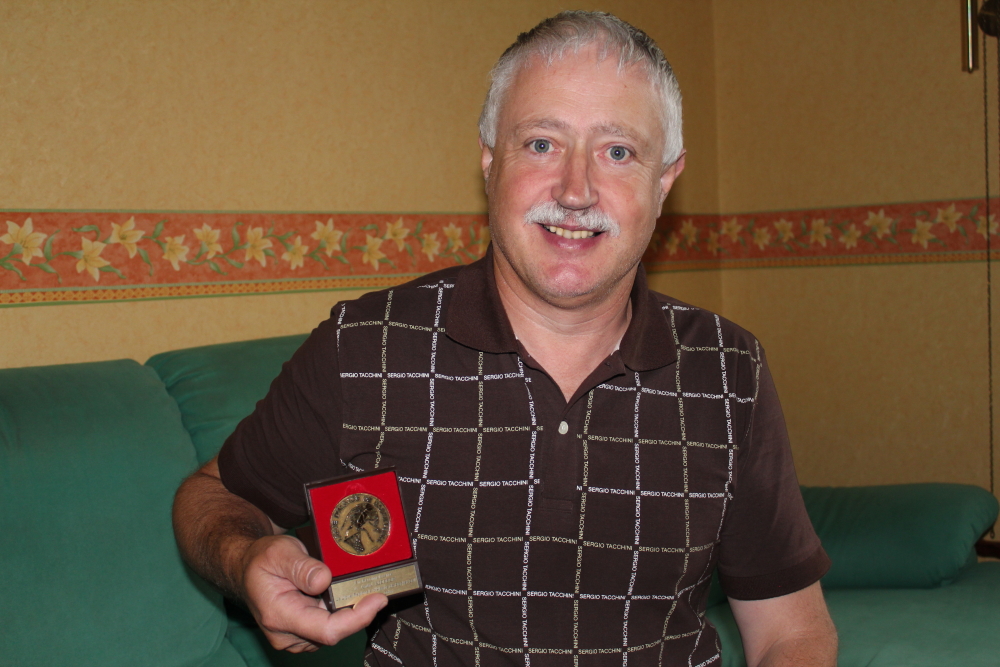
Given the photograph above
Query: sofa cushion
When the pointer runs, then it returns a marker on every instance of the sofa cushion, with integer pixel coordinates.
(218, 385)
(90, 457)
(952, 625)
(899, 536)
(939, 627)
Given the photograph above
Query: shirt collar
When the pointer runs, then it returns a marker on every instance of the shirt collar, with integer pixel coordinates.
(476, 319)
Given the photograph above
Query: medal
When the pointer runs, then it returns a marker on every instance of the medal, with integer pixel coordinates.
(359, 531)
(360, 524)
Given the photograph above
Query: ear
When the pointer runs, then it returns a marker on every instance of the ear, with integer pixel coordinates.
(486, 160)
(670, 175)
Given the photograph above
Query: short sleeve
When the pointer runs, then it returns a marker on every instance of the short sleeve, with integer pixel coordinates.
(768, 545)
(291, 438)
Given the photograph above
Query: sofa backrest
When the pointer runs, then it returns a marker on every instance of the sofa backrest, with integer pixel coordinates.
(900, 535)
(90, 457)
(218, 385)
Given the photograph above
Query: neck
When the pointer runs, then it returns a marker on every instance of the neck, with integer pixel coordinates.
(567, 340)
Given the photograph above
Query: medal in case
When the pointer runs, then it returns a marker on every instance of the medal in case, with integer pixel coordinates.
(359, 531)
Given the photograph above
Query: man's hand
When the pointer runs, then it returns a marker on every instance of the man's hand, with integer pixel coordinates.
(278, 582)
(235, 546)
(793, 629)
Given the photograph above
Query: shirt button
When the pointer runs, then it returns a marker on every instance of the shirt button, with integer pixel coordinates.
(563, 428)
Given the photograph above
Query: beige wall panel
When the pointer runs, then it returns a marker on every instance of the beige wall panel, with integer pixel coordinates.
(847, 102)
(240, 106)
(881, 369)
(139, 329)
(699, 288)
(298, 105)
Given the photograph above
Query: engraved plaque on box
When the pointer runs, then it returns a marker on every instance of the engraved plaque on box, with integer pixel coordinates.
(359, 531)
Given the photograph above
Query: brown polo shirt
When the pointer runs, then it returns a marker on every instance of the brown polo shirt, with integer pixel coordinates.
(548, 532)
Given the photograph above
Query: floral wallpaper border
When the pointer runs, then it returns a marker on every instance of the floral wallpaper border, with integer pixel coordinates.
(51, 257)
(66, 257)
(939, 231)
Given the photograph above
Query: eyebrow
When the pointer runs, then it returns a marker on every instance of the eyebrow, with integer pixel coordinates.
(540, 124)
(615, 131)
(554, 124)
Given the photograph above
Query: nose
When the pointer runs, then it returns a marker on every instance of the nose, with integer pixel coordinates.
(575, 190)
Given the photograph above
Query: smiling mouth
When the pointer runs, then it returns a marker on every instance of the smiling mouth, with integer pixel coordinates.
(570, 234)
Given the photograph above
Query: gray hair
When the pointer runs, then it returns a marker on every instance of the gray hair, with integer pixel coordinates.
(573, 30)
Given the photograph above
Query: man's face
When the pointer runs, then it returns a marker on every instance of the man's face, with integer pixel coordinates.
(580, 139)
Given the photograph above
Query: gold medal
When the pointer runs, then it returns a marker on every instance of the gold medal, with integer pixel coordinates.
(360, 524)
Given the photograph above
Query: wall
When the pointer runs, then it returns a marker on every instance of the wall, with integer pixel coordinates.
(256, 106)
(371, 107)
(882, 367)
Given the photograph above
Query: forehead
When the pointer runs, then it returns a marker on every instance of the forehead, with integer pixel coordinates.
(578, 92)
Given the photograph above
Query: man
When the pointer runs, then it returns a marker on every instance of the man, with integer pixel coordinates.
(577, 453)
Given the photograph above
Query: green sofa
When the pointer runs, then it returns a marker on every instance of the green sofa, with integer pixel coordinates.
(90, 455)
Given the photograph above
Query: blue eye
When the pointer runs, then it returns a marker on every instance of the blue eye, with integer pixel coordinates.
(541, 146)
(618, 153)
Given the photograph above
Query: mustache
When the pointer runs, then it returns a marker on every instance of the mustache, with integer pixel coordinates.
(590, 219)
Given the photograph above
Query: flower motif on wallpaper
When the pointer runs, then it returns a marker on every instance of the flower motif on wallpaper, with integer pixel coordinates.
(784, 229)
(948, 217)
(257, 246)
(371, 254)
(29, 244)
(127, 235)
(879, 224)
(395, 231)
(451, 244)
(713, 242)
(90, 259)
(921, 233)
(731, 229)
(820, 232)
(673, 241)
(981, 225)
(209, 239)
(25, 240)
(689, 232)
(328, 237)
(430, 246)
(175, 251)
(850, 237)
(296, 254)
(761, 237)
(454, 235)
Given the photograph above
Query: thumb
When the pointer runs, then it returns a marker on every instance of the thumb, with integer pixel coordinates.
(317, 578)
(308, 574)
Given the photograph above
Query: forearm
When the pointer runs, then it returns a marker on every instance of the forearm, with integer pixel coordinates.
(793, 629)
(215, 529)
(228, 542)
(818, 650)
